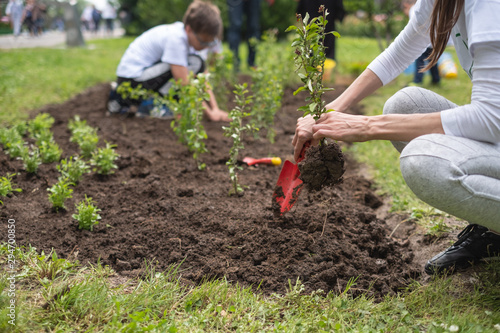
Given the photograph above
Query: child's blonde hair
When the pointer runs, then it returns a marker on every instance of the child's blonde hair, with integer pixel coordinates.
(203, 17)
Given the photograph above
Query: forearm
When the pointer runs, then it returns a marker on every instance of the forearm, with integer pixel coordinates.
(403, 127)
(394, 127)
(362, 87)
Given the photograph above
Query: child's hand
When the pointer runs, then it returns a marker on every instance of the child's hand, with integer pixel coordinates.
(218, 115)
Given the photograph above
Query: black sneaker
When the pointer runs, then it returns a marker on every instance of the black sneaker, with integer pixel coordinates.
(474, 243)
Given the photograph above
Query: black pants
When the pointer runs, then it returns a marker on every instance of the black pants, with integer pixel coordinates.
(158, 78)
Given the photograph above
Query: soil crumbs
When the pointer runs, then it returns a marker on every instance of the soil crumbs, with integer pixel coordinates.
(158, 207)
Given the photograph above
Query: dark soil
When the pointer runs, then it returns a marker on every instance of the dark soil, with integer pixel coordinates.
(158, 207)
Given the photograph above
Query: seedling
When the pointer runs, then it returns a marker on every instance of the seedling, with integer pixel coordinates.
(44, 135)
(21, 127)
(87, 215)
(76, 124)
(50, 151)
(12, 141)
(84, 135)
(17, 149)
(187, 106)
(41, 122)
(310, 56)
(31, 160)
(235, 131)
(73, 169)
(104, 159)
(59, 192)
(7, 187)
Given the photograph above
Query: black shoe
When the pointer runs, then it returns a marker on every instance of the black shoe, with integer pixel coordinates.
(474, 243)
(114, 104)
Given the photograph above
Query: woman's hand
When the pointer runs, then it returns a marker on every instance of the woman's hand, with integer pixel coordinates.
(341, 126)
(303, 133)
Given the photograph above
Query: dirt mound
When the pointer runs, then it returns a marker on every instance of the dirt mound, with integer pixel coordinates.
(159, 207)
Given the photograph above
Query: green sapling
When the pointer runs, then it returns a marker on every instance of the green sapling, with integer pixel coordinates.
(310, 56)
(235, 132)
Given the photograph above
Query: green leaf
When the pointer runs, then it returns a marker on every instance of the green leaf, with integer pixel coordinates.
(298, 90)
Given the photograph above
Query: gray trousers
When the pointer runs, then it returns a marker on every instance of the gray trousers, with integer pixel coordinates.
(457, 175)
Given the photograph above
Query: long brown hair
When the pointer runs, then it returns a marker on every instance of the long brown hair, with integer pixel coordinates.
(443, 17)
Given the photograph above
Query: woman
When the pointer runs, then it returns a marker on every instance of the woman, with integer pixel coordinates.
(450, 155)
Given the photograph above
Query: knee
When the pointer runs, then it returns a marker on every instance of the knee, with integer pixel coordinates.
(401, 102)
(428, 171)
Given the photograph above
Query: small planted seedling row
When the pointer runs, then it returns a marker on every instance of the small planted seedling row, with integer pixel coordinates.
(72, 169)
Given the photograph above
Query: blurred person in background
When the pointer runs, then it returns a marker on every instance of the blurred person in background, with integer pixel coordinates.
(14, 11)
(108, 14)
(237, 10)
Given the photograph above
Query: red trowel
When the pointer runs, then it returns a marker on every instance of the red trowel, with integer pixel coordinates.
(288, 186)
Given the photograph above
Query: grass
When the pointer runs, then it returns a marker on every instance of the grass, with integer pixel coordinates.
(32, 78)
(58, 295)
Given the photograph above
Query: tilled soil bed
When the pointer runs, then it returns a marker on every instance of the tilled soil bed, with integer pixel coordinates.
(158, 207)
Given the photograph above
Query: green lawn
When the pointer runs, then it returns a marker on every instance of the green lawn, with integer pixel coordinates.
(57, 295)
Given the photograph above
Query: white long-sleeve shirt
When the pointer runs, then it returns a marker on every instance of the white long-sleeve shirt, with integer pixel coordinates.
(476, 37)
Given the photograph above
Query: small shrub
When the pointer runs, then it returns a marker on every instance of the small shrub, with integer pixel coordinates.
(104, 159)
(59, 192)
(87, 215)
(73, 169)
(7, 187)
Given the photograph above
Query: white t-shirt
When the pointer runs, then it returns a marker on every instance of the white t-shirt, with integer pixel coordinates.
(164, 43)
(476, 37)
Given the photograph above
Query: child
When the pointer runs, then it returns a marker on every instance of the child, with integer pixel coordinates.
(167, 52)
